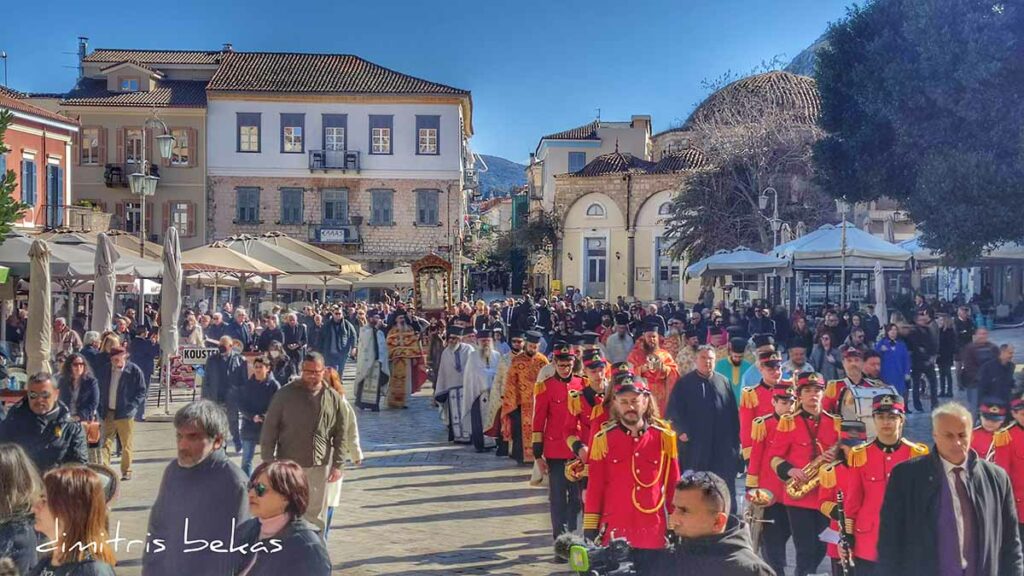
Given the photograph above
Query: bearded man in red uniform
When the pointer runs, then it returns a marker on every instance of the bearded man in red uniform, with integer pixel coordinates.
(634, 468)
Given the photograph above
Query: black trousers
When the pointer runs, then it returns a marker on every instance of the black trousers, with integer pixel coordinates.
(774, 537)
(564, 499)
(477, 422)
(917, 378)
(806, 524)
(946, 380)
(516, 452)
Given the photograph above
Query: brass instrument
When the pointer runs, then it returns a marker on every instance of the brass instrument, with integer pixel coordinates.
(758, 499)
(575, 470)
(797, 489)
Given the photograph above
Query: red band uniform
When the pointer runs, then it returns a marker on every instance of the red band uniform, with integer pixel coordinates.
(835, 478)
(994, 414)
(756, 401)
(1008, 449)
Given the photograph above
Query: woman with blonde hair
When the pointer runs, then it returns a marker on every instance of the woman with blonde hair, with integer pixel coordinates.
(352, 450)
(72, 515)
(19, 484)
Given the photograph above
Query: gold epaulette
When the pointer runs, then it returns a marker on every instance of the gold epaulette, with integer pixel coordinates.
(597, 411)
(748, 398)
(1002, 438)
(786, 423)
(574, 403)
(662, 424)
(599, 445)
(836, 420)
(828, 476)
(831, 389)
(759, 430)
(858, 456)
(669, 444)
(752, 481)
(916, 449)
(826, 508)
(539, 389)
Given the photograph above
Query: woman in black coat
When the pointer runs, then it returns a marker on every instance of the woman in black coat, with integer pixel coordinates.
(277, 540)
(79, 389)
(21, 483)
(281, 364)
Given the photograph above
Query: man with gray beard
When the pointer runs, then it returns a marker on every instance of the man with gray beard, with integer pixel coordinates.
(481, 368)
(202, 496)
(619, 343)
(500, 426)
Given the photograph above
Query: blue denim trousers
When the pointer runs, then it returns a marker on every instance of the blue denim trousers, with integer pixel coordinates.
(248, 452)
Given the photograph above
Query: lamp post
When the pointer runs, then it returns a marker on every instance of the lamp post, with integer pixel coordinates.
(842, 206)
(143, 184)
(775, 222)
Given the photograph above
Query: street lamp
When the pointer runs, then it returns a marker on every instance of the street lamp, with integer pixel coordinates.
(776, 223)
(842, 206)
(143, 183)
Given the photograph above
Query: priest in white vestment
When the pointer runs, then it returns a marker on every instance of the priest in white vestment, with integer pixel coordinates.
(481, 368)
(448, 391)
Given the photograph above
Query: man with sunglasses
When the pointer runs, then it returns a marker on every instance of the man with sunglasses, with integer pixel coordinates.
(632, 471)
(870, 468)
(709, 541)
(43, 426)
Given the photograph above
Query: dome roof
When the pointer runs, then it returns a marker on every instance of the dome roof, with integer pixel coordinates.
(689, 159)
(614, 163)
(792, 93)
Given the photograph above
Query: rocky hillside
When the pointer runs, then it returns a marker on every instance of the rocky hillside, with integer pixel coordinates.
(502, 175)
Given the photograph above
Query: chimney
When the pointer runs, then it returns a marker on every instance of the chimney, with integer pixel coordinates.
(83, 47)
(227, 47)
(533, 158)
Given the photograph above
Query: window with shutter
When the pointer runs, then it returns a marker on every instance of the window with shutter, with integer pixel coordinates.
(181, 153)
(248, 131)
(89, 139)
(426, 207)
(428, 129)
(28, 182)
(180, 216)
(382, 207)
(133, 145)
(292, 133)
(132, 217)
(291, 205)
(335, 207)
(248, 200)
(380, 133)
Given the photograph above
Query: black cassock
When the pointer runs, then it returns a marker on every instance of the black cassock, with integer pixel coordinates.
(704, 408)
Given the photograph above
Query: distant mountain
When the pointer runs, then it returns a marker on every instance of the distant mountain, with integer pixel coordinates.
(805, 61)
(502, 175)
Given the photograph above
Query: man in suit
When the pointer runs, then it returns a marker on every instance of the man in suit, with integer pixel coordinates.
(951, 512)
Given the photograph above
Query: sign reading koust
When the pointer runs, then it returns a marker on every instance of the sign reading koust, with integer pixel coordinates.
(432, 283)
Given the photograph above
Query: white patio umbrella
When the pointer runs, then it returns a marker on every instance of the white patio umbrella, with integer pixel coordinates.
(104, 286)
(38, 331)
(170, 308)
(880, 310)
(740, 260)
(400, 277)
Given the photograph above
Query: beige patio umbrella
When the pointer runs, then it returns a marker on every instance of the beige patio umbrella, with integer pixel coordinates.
(313, 281)
(170, 308)
(344, 265)
(37, 333)
(104, 284)
(220, 258)
(400, 277)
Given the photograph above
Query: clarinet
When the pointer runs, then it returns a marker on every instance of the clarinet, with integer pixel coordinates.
(846, 558)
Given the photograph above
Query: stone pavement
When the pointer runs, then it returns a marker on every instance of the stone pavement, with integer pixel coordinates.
(417, 506)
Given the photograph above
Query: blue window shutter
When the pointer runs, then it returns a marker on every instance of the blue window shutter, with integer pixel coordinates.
(577, 160)
(3, 166)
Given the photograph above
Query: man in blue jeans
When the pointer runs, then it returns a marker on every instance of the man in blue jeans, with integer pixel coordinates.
(337, 337)
(253, 402)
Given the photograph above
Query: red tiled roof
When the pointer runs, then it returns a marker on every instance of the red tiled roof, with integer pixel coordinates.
(165, 94)
(318, 73)
(133, 63)
(149, 57)
(614, 163)
(14, 101)
(689, 159)
(585, 132)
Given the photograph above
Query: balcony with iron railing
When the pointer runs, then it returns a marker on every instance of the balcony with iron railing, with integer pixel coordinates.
(327, 160)
(116, 175)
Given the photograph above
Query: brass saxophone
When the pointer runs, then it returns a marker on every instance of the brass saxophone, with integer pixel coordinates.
(797, 489)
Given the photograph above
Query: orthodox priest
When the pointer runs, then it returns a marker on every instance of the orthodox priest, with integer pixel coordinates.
(448, 390)
(481, 368)
(517, 402)
(501, 428)
(655, 365)
(407, 361)
(372, 367)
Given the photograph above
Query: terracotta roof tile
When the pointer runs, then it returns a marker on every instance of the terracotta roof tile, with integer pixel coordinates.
(132, 62)
(585, 132)
(149, 57)
(166, 94)
(613, 163)
(689, 159)
(318, 73)
(14, 101)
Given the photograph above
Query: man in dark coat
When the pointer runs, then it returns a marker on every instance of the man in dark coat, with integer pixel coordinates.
(122, 393)
(271, 333)
(144, 351)
(995, 379)
(43, 427)
(296, 337)
(924, 350)
(238, 329)
(921, 534)
(226, 373)
(710, 541)
(703, 411)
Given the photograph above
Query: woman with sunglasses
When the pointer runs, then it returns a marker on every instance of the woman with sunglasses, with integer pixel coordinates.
(79, 390)
(72, 514)
(278, 541)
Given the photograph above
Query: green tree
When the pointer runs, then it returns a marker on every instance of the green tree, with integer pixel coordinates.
(921, 103)
(11, 210)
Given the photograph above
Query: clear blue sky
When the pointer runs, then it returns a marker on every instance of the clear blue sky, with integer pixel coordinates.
(533, 66)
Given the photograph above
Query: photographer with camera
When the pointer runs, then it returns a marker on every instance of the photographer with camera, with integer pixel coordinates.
(710, 541)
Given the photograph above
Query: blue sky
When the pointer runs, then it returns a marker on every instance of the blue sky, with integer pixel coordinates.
(533, 66)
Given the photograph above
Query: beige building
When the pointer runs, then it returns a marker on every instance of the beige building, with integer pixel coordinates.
(120, 90)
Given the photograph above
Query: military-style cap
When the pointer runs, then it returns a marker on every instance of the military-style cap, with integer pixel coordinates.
(562, 351)
(805, 379)
(630, 383)
(888, 403)
(852, 352)
(621, 369)
(784, 389)
(1017, 404)
(738, 345)
(992, 409)
(852, 432)
(770, 358)
(533, 337)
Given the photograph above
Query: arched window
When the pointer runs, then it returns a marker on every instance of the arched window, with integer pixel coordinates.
(665, 209)
(595, 210)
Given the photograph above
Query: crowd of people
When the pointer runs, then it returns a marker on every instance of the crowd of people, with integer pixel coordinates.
(638, 418)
